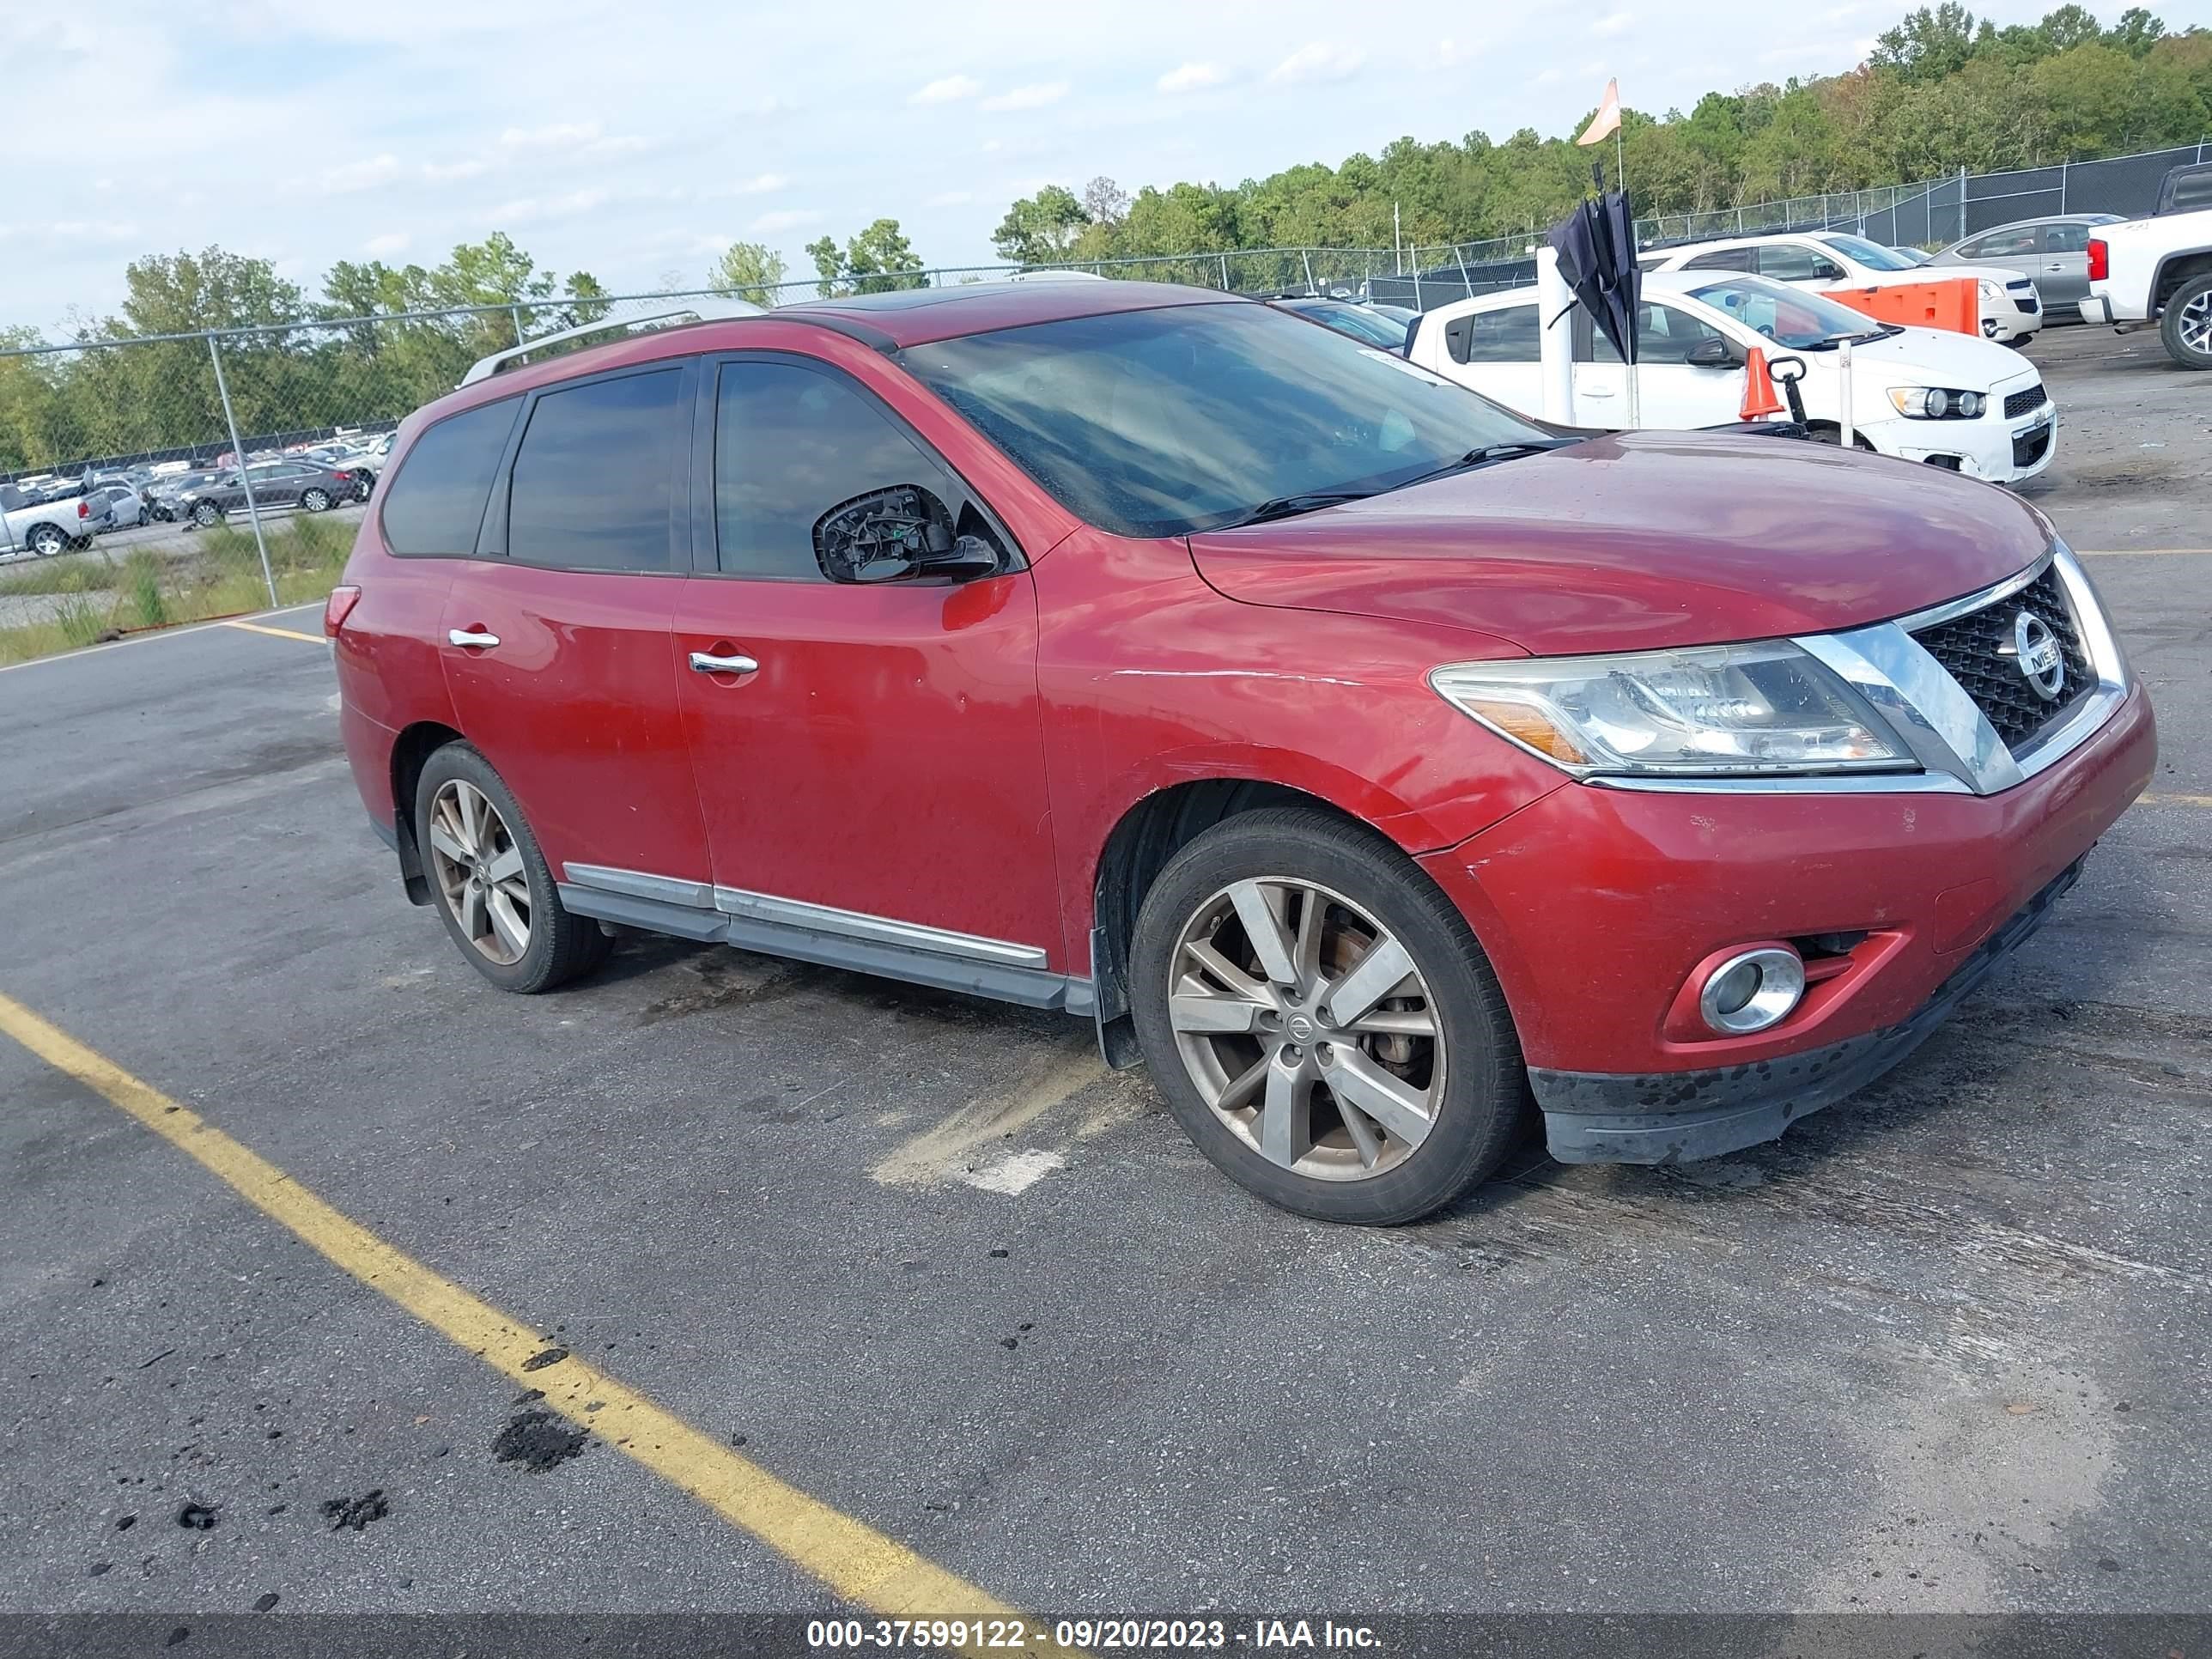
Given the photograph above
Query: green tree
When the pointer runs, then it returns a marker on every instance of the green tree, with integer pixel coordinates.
(1041, 229)
(1928, 44)
(748, 271)
(877, 261)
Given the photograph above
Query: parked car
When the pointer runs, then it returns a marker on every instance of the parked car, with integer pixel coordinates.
(2054, 250)
(32, 525)
(115, 507)
(278, 487)
(2156, 271)
(162, 496)
(1372, 326)
(2011, 312)
(1921, 394)
(1371, 761)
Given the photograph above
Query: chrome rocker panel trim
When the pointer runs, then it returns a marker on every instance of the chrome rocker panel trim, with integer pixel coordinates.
(967, 963)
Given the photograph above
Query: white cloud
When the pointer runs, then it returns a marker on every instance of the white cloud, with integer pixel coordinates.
(761, 184)
(530, 209)
(361, 175)
(770, 224)
(391, 242)
(1612, 23)
(1192, 77)
(951, 198)
(1318, 61)
(1449, 54)
(447, 172)
(574, 137)
(1029, 97)
(949, 90)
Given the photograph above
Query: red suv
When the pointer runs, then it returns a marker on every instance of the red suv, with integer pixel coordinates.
(1369, 761)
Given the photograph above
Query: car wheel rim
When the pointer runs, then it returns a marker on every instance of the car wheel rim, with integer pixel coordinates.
(2196, 324)
(1308, 1029)
(480, 873)
(315, 500)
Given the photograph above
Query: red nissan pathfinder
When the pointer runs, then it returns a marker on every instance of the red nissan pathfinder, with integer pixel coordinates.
(1371, 763)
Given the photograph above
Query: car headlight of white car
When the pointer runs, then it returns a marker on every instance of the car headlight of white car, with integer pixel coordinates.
(1989, 289)
(1936, 403)
(1769, 707)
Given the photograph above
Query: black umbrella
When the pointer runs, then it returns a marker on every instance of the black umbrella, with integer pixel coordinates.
(1596, 245)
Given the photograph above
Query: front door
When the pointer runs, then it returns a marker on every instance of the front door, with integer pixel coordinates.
(870, 754)
(557, 643)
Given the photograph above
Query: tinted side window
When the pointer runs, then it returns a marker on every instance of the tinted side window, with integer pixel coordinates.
(434, 505)
(1728, 258)
(790, 444)
(1508, 335)
(1786, 263)
(2066, 239)
(591, 479)
(2011, 243)
(1664, 335)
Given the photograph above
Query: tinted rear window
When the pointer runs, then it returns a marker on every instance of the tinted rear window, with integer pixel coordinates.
(591, 479)
(435, 504)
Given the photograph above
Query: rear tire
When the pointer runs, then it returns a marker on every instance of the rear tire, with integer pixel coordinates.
(1433, 1055)
(2185, 327)
(315, 500)
(487, 875)
(46, 541)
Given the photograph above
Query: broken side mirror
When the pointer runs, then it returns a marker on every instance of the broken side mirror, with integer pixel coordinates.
(903, 532)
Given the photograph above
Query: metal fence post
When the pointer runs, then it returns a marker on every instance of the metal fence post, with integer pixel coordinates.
(515, 312)
(1225, 273)
(1962, 203)
(2062, 183)
(245, 472)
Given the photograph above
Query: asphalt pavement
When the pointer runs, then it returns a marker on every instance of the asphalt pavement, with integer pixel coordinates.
(1942, 1349)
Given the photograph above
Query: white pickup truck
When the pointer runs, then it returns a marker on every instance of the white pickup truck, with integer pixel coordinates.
(2156, 271)
(45, 529)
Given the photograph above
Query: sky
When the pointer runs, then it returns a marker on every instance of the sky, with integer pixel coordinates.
(638, 140)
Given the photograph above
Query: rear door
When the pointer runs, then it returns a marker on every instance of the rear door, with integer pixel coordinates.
(555, 638)
(870, 754)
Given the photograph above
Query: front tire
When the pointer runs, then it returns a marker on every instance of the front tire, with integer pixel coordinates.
(207, 514)
(1322, 1022)
(2184, 328)
(493, 889)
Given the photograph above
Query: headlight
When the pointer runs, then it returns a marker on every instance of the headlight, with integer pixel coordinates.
(1989, 290)
(1762, 707)
(1932, 403)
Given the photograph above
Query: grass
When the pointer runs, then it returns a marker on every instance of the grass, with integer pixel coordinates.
(220, 577)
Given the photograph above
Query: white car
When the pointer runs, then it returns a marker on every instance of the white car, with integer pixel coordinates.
(1920, 394)
(2012, 310)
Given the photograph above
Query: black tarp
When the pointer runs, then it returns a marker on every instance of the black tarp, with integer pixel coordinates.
(1596, 245)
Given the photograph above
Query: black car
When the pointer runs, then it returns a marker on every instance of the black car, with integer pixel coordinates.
(278, 486)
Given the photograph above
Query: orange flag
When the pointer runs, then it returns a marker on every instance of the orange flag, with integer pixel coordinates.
(1607, 121)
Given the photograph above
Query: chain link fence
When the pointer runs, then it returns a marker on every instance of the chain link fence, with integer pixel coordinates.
(153, 480)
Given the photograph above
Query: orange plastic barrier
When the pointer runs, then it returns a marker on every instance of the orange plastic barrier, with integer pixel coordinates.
(1953, 302)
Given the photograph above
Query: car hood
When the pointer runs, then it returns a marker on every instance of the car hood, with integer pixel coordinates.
(1935, 356)
(1639, 541)
(1934, 271)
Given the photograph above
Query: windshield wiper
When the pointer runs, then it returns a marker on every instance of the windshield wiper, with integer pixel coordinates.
(1284, 506)
(1485, 455)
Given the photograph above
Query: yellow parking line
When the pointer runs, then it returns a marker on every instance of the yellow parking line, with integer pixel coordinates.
(859, 1564)
(2173, 801)
(149, 637)
(280, 633)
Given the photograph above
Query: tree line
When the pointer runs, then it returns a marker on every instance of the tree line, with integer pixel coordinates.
(1943, 89)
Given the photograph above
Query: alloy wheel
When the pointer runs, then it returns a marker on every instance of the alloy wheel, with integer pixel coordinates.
(480, 871)
(1308, 1029)
(2196, 325)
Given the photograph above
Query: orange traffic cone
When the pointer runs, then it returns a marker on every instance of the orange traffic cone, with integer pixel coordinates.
(1758, 398)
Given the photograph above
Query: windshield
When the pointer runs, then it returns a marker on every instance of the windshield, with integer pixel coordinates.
(1788, 316)
(1186, 418)
(1872, 255)
(1353, 320)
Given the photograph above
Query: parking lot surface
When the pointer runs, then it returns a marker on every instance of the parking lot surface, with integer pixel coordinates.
(921, 1259)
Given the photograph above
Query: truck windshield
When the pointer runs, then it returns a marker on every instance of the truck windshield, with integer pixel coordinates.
(1185, 418)
(1788, 316)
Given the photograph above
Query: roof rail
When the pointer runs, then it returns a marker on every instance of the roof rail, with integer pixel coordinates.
(696, 311)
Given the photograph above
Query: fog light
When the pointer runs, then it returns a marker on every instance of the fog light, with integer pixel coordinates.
(1751, 991)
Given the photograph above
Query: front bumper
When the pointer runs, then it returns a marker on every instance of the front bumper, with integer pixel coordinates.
(1677, 1117)
(1991, 448)
(1595, 906)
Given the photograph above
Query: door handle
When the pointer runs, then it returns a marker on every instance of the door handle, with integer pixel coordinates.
(706, 662)
(1594, 392)
(475, 636)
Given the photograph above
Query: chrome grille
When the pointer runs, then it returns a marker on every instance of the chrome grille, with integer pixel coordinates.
(2021, 402)
(1976, 650)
